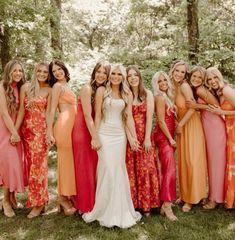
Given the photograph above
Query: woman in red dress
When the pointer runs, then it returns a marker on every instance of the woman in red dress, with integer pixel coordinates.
(11, 164)
(141, 164)
(164, 139)
(85, 140)
(34, 105)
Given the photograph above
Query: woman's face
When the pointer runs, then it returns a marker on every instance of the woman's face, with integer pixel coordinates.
(42, 73)
(213, 81)
(116, 77)
(133, 78)
(196, 79)
(162, 83)
(100, 76)
(58, 72)
(17, 73)
(179, 73)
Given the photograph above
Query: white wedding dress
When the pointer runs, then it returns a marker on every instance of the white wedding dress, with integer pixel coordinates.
(113, 203)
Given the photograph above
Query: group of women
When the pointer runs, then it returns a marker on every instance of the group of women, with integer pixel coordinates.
(106, 150)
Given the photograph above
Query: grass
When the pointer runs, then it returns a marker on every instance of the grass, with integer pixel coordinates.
(218, 224)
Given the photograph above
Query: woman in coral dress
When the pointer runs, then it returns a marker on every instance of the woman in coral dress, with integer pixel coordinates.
(190, 141)
(65, 100)
(113, 204)
(141, 164)
(215, 134)
(11, 164)
(86, 141)
(226, 95)
(164, 139)
(34, 105)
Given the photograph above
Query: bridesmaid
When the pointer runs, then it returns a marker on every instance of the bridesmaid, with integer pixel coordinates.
(164, 139)
(141, 165)
(226, 96)
(64, 100)
(190, 141)
(85, 140)
(215, 134)
(113, 204)
(34, 106)
(11, 170)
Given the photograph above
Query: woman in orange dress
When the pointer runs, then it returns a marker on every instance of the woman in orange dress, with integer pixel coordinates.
(190, 141)
(11, 164)
(64, 100)
(34, 105)
(226, 96)
(141, 164)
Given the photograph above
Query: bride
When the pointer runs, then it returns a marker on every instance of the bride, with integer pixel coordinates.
(113, 204)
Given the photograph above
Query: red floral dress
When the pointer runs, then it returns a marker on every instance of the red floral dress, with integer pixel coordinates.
(142, 166)
(35, 151)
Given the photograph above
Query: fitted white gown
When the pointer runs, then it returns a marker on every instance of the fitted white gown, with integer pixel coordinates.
(113, 203)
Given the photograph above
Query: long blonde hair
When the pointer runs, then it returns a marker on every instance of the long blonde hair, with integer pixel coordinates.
(222, 82)
(7, 80)
(34, 88)
(168, 95)
(124, 89)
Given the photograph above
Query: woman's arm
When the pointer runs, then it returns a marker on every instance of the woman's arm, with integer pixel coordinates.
(188, 95)
(149, 120)
(56, 90)
(85, 95)
(20, 115)
(99, 98)
(160, 113)
(6, 117)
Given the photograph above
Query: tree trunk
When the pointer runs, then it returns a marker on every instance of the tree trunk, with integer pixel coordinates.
(193, 30)
(55, 28)
(5, 45)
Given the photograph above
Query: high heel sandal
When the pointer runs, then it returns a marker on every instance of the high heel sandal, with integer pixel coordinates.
(36, 211)
(7, 209)
(168, 212)
(68, 210)
(210, 205)
(187, 207)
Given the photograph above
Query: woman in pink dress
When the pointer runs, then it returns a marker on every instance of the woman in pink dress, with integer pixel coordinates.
(34, 105)
(164, 139)
(141, 164)
(215, 135)
(226, 96)
(11, 170)
(86, 141)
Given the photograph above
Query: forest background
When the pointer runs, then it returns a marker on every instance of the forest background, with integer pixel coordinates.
(148, 33)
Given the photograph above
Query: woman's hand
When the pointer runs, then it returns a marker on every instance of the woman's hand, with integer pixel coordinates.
(95, 144)
(147, 145)
(15, 138)
(191, 104)
(179, 128)
(134, 143)
(215, 109)
(172, 142)
(50, 140)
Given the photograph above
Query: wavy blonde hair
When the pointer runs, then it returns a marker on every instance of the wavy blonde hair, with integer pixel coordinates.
(168, 95)
(34, 88)
(173, 67)
(7, 81)
(222, 82)
(123, 88)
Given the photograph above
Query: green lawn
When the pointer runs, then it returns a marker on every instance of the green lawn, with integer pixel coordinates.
(197, 224)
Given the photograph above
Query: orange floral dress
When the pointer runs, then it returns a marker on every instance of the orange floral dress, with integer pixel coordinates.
(142, 166)
(230, 169)
(35, 151)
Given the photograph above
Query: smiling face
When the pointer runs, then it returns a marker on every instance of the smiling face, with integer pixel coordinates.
(162, 83)
(179, 73)
(17, 73)
(58, 73)
(100, 76)
(133, 78)
(116, 77)
(196, 79)
(213, 81)
(42, 73)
